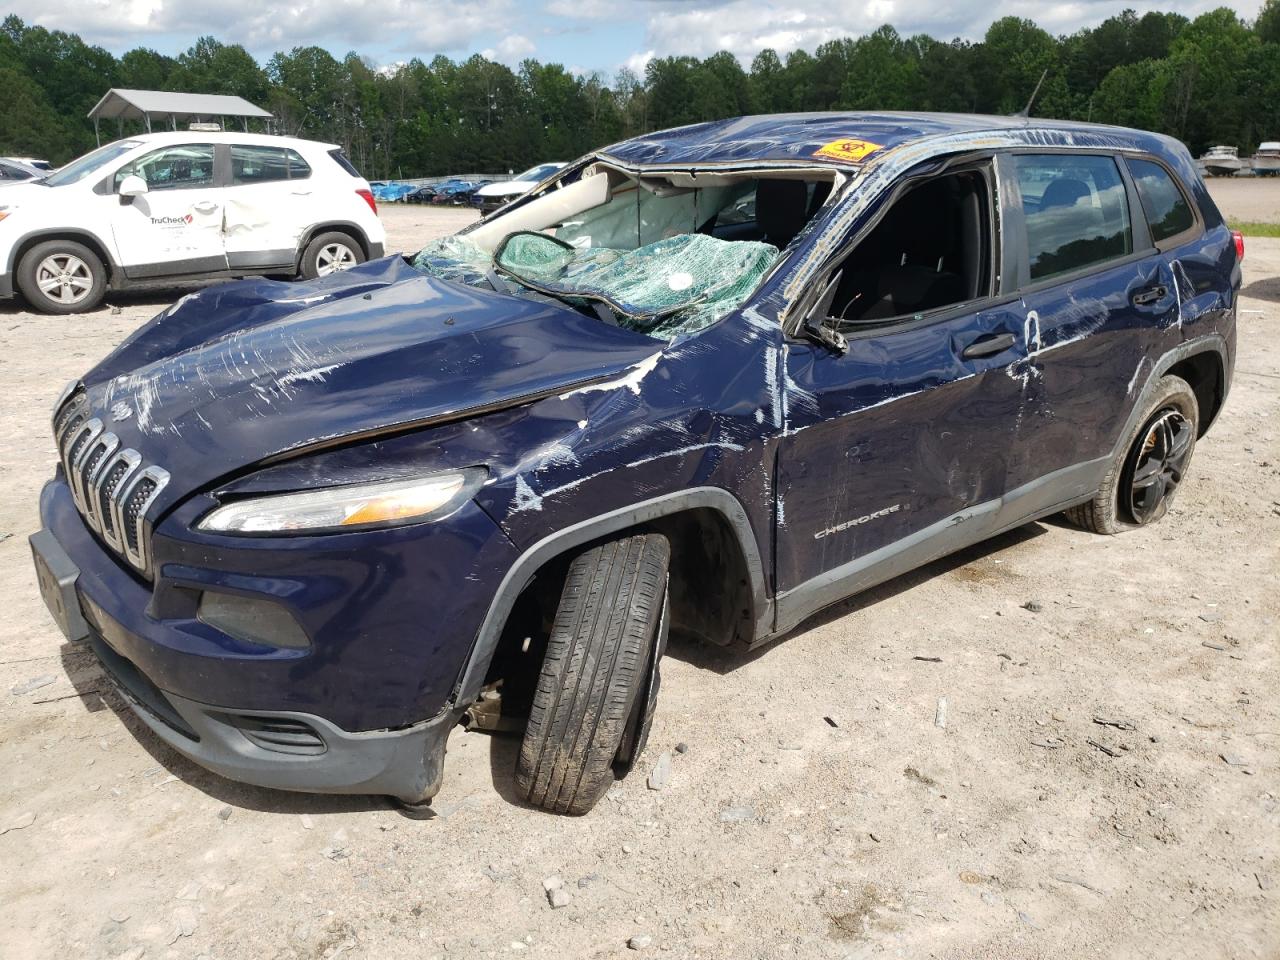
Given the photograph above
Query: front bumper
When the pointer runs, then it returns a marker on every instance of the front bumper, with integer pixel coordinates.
(6, 286)
(286, 750)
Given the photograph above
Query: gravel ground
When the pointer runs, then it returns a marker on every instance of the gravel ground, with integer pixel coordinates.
(1247, 199)
(818, 811)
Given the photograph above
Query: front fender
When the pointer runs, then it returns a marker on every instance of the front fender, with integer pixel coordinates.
(557, 543)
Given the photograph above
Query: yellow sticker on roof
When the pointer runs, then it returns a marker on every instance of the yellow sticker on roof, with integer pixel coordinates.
(848, 149)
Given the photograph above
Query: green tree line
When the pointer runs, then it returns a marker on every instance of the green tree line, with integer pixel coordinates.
(1214, 79)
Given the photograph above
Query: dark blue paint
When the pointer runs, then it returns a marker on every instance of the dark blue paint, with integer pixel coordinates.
(790, 137)
(382, 372)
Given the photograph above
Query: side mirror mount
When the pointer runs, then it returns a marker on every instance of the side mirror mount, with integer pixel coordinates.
(130, 187)
(817, 323)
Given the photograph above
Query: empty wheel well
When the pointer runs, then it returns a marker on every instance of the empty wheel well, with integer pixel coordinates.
(1203, 371)
(82, 238)
(710, 593)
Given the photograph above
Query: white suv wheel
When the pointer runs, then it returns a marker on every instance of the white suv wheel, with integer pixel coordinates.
(330, 252)
(64, 278)
(333, 257)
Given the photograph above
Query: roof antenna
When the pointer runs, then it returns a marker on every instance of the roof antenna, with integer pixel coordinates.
(1026, 111)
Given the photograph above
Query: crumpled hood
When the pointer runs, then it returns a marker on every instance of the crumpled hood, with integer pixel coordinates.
(244, 371)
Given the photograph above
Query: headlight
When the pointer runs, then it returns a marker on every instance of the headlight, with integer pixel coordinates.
(353, 507)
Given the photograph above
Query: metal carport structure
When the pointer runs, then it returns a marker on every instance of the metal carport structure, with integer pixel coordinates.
(147, 105)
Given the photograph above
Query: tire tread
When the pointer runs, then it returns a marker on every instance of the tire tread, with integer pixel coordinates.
(598, 650)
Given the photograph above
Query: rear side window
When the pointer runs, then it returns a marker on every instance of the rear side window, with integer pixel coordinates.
(1076, 212)
(341, 160)
(266, 164)
(1168, 212)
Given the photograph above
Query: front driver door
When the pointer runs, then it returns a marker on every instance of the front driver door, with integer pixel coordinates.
(176, 226)
(894, 453)
(896, 450)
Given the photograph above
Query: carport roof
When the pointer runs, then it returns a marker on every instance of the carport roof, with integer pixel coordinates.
(136, 104)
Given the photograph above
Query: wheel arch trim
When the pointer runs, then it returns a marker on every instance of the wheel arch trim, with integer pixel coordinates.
(74, 234)
(1213, 343)
(351, 229)
(534, 558)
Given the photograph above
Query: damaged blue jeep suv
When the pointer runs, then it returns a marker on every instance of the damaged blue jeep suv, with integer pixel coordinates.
(709, 380)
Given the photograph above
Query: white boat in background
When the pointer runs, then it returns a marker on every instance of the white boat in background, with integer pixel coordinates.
(1266, 159)
(1222, 161)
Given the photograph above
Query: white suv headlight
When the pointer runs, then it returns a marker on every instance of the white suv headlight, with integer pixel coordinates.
(355, 507)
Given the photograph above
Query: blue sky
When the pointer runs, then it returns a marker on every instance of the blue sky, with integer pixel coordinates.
(588, 35)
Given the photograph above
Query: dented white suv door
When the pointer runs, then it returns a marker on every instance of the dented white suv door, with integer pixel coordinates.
(270, 196)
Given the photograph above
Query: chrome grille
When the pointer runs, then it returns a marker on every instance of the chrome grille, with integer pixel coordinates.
(111, 486)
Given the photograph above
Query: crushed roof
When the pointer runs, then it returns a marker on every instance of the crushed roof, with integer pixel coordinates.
(840, 138)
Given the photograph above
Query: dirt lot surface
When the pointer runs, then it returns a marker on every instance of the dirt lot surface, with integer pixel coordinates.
(1106, 784)
(1247, 199)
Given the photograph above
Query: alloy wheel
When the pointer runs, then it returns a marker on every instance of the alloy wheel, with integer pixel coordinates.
(334, 257)
(1156, 465)
(64, 278)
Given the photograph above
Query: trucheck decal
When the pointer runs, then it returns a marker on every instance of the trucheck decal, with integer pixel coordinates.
(857, 521)
(171, 221)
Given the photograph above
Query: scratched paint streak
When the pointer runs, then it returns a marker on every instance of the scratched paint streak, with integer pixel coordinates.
(527, 499)
(774, 388)
(314, 375)
(630, 382)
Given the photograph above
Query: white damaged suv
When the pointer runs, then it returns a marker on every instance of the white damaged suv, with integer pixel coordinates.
(191, 205)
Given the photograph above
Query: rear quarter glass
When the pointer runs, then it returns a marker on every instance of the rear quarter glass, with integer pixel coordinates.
(341, 160)
(1166, 206)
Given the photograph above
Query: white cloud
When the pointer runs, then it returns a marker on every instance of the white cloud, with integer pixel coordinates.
(745, 27)
(416, 27)
(585, 9)
(638, 61)
(595, 33)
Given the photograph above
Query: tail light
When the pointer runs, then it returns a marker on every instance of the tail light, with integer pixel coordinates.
(1238, 237)
(367, 196)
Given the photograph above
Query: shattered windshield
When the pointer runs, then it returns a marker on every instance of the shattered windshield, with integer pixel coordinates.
(661, 256)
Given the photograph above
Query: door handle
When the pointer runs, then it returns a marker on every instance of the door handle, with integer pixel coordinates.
(1150, 295)
(988, 346)
(301, 193)
(206, 206)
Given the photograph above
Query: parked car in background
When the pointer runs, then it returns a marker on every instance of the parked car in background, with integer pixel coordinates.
(16, 171)
(421, 195)
(494, 195)
(456, 192)
(391, 192)
(309, 535)
(44, 166)
(184, 206)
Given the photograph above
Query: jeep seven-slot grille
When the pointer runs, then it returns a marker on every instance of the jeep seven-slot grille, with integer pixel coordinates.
(110, 484)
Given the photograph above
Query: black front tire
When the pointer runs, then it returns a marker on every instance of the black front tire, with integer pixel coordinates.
(1114, 509)
(608, 628)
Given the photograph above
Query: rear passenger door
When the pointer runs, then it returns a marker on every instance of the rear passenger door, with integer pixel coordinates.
(269, 205)
(1099, 302)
